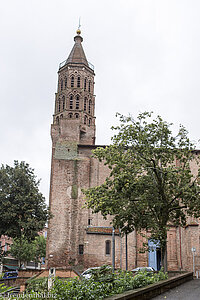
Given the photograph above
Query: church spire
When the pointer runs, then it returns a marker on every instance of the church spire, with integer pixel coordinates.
(77, 54)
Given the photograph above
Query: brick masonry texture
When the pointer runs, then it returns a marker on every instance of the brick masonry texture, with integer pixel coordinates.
(73, 168)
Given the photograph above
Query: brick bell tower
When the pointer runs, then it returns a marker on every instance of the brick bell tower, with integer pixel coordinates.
(73, 118)
(73, 127)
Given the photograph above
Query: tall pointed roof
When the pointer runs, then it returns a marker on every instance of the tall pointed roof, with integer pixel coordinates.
(77, 54)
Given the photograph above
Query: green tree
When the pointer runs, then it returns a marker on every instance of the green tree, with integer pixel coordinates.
(39, 248)
(23, 211)
(22, 249)
(150, 183)
(25, 251)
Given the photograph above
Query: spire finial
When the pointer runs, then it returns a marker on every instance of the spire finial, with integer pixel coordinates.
(78, 31)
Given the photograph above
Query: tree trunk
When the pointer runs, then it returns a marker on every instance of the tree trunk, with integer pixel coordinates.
(164, 256)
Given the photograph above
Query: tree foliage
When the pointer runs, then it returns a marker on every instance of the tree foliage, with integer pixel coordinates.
(39, 248)
(23, 210)
(25, 251)
(150, 184)
(22, 250)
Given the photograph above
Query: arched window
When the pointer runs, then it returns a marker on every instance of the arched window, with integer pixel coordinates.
(108, 247)
(70, 115)
(90, 106)
(85, 84)
(85, 120)
(59, 106)
(63, 98)
(61, 85)
(89, 86)
(57, 120)
(76, 116)
(85, 104)
(72, 81)
(71, 102)
(89, 122)
(80, 249)
(61, 116)
(78, 81)
(65, 82)
(77, 102)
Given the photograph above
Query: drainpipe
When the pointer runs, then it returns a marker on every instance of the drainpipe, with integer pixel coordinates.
(181, 265)
(126, 253)
(120, 234)
(113, 249)
(136, 249)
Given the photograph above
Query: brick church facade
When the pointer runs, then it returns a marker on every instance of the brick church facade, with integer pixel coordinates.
(75, 235)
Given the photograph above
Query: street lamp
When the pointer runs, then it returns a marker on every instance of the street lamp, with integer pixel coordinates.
(193, 253)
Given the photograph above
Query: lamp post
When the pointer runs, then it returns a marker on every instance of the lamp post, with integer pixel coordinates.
(193, 253)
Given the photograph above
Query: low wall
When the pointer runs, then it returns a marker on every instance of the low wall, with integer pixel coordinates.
(153, 290)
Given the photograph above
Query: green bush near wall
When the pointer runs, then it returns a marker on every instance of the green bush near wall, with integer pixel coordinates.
(110, 284)
(102, 284)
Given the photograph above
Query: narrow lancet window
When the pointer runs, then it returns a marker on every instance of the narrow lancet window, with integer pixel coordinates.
(77, 102)
(63, 98)
(108, 247)
(85, 104)
(71, 102)
(90, 106)
(85, 84)
(72, 81)
(78, 81)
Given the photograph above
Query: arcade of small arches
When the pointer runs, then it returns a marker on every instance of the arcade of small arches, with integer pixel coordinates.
(87, 121)
(75, 81)
(74, 103)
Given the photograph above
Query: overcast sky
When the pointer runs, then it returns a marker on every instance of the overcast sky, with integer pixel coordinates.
(146, 55)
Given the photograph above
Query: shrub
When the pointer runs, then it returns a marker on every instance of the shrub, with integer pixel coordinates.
(102, 284)
(37, 285)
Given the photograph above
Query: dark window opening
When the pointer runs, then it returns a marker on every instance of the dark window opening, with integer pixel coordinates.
(61, 116)
(89, 122)
(81, 249)
(78, 82)
(72, 81)
(71, 102)
(63, 98)
(85, 104)
(61, 85)
(108, 247)
(89, 108)
(89, 221)
(65, 82)
(70, 116)
(85, 120)
(57, 120)
(85, 84)
(76, 116)
(77, 102)
(59, 106)
(89, 87)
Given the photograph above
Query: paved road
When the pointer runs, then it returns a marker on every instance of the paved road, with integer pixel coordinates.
(187, 291)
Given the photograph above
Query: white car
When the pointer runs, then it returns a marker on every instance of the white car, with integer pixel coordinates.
(88, 273)
(148, 269)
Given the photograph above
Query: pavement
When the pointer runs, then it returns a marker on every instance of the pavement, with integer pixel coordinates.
(186, 291)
